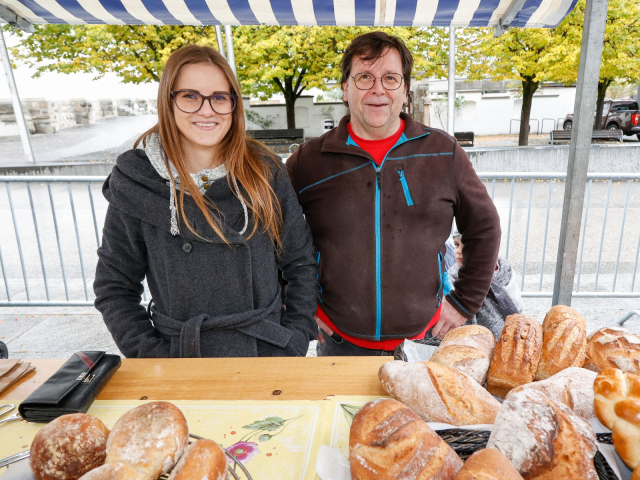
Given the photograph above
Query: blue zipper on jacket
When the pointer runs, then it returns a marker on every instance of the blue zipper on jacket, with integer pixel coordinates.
(318, 278)
(441, 287)
(401, 140)
(405, 187)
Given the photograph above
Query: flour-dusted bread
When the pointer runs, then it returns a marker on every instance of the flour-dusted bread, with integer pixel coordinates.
(612, 347)
(68, 447)
(572, 387)
(488, 464)
(203, 459)
(543, 439)
(151, 438)
(564, 341)
(468, 349)
(388, 441)
(113, 471)
(617, 406)
(515, 359)
(438, 393)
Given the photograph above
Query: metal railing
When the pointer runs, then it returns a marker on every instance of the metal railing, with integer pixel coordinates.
(50, 229)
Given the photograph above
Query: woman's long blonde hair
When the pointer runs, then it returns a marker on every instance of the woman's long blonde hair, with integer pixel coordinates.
(247, 160)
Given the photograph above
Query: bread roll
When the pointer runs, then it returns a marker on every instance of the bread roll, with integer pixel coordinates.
(438, 393)
(613, 348)
(564, 341)
(390, 442)
(113, 471)
(467, 349)
(488, 464)
(617, 406)
(572, 387)
(68, 447)
(151, 438)
(516, 356)
(636, 474)
(203, 459)
(543, 439)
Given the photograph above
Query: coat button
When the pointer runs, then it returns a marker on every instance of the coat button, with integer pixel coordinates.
(205, 178)
(206, 186)
(187, 247)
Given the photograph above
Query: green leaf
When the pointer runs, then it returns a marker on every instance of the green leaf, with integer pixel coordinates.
(349, 412)
(269, 424)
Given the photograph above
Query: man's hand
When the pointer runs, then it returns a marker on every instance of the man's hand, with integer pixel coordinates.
(324, 328)
(449, 319)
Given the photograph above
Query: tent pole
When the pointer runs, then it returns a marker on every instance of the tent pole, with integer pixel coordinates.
(231, 58)
(15, 99)
(451, 96)
(595, 18)
(220, 42)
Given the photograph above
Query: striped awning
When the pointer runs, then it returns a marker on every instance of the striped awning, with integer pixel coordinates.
(442, 13)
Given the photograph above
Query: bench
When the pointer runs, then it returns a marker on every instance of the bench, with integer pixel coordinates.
(465, 138)
(272, 137)
(565, 135)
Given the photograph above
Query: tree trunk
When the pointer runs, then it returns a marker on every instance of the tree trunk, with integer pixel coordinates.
(529, 87)
(603, 85)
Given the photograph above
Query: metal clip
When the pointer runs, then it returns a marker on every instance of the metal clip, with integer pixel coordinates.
(85, 378)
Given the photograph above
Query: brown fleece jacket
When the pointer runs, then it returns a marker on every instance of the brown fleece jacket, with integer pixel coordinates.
(380, 232)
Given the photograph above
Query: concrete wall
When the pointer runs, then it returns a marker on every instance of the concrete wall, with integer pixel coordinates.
(44, 116)
(492, 113)
(603, 158)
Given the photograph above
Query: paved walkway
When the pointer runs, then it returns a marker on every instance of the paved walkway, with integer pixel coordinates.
(102, 141)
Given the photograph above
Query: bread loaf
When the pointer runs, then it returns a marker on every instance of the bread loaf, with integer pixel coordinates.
(68, 447)
(543, 439)
(516, 356)
(203, 459)
(617, 406)
(467, 349)
(438, 393)
(388, 441)
(572, 387)
(113, 471)
(613, 348)
(488, 464)
(564, 341)
(151, 438)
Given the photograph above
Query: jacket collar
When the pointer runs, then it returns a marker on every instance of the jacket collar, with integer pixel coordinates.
(337, 140)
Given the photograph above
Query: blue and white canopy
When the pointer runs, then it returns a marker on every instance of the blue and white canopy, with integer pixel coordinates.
(420, 13)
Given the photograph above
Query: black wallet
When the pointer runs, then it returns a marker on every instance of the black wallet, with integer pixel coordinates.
(72, 389)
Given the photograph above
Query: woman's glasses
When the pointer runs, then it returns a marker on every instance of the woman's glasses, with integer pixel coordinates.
(190, 102)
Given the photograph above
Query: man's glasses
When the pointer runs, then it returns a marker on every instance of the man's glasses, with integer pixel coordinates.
(190, 102)
(366, 81)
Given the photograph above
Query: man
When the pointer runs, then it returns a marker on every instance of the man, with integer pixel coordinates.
(380, 192)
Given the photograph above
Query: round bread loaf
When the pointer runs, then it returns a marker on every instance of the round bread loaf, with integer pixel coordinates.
(516, 356)
(389, 441)
(564, 342)
(468, 349)
(113, 471)
(151, 438)
(543, 439)
(572, 387)
(204, 459)
(488, 464)
(68, 447)
(438, 393)
(612, 347)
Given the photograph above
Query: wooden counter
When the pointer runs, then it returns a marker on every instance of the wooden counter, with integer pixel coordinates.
(307, 378)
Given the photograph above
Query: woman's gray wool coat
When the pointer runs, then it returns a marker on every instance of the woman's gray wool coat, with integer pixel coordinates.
(209, 299)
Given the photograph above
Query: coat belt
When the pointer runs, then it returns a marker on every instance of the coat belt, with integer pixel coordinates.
(254, 323)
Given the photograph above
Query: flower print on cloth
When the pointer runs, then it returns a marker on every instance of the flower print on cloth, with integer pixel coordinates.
(243, 451)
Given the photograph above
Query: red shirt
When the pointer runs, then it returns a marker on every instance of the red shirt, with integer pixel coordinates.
(377, 149)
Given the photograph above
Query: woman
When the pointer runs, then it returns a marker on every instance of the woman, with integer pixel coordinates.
(208, 216)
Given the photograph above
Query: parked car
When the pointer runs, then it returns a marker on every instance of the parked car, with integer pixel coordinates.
(616, 115)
